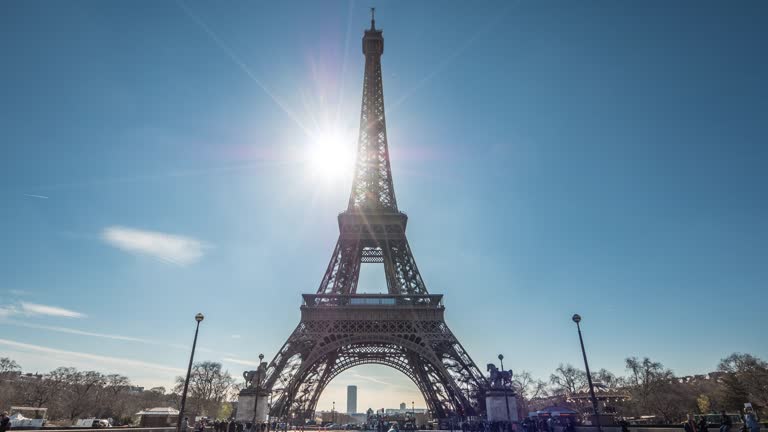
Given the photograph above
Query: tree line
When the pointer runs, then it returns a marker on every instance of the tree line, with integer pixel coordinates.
(70, 394)
(651, 389)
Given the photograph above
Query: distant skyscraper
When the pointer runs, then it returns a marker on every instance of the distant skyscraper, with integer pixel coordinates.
(402, 406)
(351, 399)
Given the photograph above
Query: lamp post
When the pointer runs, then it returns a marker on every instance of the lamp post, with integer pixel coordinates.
(413, 412)
(506, 397)
(256, 398)
(577, 319)
(333, 413)
(199, 318)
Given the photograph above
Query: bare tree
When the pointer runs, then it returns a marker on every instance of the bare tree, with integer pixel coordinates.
(528, 388)
(84, 386)
(8, 367)
(608, 378)
(567, 379)
(8, 370)
(654, 388)
(111, 396)
(747, 378)
(209, 387)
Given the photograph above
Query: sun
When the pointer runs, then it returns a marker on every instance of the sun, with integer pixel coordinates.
(330, 154)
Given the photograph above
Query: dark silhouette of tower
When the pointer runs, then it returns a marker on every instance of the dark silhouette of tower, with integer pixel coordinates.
(403, 329)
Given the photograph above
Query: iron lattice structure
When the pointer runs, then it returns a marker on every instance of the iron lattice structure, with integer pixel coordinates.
(404, 329)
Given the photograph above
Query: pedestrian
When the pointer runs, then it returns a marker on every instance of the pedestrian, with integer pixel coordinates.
(185, 424)
(239, 426)
(231, 426)
(624, 425)
(703, 425)
(569, 426)
(751, 421)
(5, 422)
(690, 424)
(725, 422)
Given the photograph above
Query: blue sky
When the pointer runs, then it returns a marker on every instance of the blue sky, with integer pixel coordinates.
(161, 158)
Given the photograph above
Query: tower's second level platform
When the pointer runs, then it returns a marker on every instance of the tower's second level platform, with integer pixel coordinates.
(372, 306)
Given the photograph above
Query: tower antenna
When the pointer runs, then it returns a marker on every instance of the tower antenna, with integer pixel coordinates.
(373, 19)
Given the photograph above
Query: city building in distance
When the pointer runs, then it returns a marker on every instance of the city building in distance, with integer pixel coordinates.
(351, 399)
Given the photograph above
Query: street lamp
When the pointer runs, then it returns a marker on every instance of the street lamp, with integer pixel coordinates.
(506, 397)
(333, 413)
(256, 398)
(577, 319)
(199, 318)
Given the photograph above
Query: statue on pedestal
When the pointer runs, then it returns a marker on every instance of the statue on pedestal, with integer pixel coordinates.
(500, 379)
(500, 399)
(254, 379)
(252, 401)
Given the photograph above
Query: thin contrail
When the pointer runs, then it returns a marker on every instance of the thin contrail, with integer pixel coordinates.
(449, 59)
(241, 64)
(159, 176)
(344, 61)
(35, 196)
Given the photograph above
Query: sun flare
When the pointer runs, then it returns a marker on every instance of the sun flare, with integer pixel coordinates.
(331, 154)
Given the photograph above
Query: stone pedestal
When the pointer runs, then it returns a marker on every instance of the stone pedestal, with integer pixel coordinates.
(246, 402)
(496, 401)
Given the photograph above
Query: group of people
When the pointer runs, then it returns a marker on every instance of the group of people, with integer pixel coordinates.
(231, 425)
(546, 425)
(751, 423)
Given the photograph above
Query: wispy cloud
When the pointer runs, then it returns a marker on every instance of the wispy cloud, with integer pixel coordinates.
(36, 196)
(104, 360)
(39, 309)
(78, 332)
(179, 250)
(235, 336)
(82, 332)
(370, 378)
(33, 309)
(241, 362)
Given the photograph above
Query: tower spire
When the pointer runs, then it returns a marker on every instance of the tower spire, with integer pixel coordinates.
(372, 189)
(373, 18)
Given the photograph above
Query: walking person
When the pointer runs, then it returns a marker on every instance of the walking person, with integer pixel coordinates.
(185, 424)
(690, 424)
(703, 425)
(624, 425)
(751, 421)
(725, 422)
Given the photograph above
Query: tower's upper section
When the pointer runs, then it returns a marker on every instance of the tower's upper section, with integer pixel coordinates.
(373, 41)
(372, 189)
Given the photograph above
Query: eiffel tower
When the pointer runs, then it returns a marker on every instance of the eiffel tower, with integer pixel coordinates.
(403, 329)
